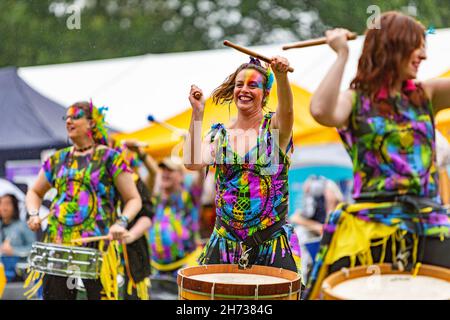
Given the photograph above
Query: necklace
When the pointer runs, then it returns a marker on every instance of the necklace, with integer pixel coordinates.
(83, 149)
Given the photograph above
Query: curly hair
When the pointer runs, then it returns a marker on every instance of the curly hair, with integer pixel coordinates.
(385, 51)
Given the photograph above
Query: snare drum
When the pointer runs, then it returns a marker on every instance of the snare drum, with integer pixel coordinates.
(381, 282)
(228, 282)
(62, 260)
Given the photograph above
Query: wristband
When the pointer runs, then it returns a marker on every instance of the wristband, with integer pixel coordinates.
(122, 221)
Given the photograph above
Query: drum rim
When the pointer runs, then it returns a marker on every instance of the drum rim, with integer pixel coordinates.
(243, 291)
(332, 280)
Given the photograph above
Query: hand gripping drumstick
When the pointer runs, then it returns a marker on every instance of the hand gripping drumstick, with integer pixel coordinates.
(315, 42)
(167, 125)
(250, 53)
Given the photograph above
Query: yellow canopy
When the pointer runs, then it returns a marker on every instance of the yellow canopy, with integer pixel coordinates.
(443, 117)
(162, 141)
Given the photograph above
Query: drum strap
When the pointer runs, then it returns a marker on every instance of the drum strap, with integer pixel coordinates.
(257, 238)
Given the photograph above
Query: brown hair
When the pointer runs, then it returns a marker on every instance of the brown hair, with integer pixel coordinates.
(385, 50)
(224, 93)
(99, 133)
(85, 106)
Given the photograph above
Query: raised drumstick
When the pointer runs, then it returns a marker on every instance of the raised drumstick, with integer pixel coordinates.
(315, 42)
(167, 125)
(250, 53)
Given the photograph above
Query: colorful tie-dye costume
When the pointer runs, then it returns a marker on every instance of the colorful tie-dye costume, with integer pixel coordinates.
(85, 204)
(175, 230)
(251, 195)
(392, 145)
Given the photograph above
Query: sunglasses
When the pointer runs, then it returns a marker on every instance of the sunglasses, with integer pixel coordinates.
(75, 115)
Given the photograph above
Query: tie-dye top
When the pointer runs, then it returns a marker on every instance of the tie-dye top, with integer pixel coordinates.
(86, 196)
(392, 144)
(251, 192)
(175, 227)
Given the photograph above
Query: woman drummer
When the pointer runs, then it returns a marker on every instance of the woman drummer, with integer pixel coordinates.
(88, 178)
(251, 177)
(386, 121)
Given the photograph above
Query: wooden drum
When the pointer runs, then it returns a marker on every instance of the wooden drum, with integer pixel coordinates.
(228, 282)
(381, 282)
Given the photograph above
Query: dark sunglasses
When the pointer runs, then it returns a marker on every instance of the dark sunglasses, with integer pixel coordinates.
(75, 117)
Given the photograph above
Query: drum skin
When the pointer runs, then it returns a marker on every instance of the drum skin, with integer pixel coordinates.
(366, 271)
(193, 289)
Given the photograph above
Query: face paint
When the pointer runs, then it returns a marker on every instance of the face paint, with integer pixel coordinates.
(251, 78)
(74, 114)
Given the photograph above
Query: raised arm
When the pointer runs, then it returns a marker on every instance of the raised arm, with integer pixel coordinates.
(329, 107)
(284, 117)
(195, 151)
(34, 198)
(439, 92)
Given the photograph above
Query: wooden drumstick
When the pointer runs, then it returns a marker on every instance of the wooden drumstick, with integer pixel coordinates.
(90, 239)
(250, 53)
(315, 42)
(167, 125)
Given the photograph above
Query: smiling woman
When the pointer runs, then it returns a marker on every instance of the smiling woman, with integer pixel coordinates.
(386, 122)
(88, 178)
(251, 177)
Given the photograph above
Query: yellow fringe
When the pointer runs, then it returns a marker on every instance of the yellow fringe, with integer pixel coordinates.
(189, 260)
(416, 269)
(109, 270)
(2, 279)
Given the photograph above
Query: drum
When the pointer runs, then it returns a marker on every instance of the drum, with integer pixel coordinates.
(229, 282)
(62, 260)
(382, 282)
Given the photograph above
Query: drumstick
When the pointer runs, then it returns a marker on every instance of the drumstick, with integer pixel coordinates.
(315, 42)
(167, 125)
(92, 239)
(250, 53)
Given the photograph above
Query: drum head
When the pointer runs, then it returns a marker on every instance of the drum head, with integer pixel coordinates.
(381, 282)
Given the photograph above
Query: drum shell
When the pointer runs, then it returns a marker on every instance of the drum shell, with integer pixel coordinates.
(66, 261)
(363, 271)
(193, 289)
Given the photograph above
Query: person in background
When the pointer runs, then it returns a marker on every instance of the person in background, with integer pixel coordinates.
(15, 237)
(174, 236)
(135, 250)
(320, 198)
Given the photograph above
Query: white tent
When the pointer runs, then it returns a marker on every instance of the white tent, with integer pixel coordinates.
(158, 84)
